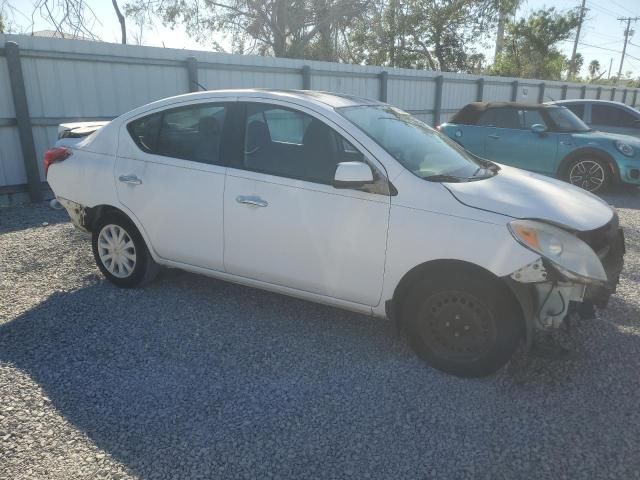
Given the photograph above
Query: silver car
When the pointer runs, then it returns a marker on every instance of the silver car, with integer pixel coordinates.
(605, 115)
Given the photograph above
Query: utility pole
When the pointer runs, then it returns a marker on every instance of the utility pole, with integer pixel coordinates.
(610, 67)
(572, 69)
(627, 33)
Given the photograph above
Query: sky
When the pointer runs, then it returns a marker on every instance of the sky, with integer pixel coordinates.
(602, 35)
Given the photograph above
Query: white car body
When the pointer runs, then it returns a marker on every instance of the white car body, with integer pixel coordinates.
(341, 247)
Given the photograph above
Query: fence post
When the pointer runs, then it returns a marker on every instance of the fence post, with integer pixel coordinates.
(480, 94)
(624, 96)
(384, 80)
(541, 92)
(613, 93)
(635, 97)
(599, 94)
(23, 120)
(564, 92)
(306, 77)
(583, 91)
(514, 90)
(192, 74)
(437, 108)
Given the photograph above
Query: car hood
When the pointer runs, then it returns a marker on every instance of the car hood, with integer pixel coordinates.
(597, 136)
(521, 194)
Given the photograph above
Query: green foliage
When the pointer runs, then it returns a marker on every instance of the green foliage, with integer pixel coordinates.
(1, 24)
(432, 34)
(530, 45)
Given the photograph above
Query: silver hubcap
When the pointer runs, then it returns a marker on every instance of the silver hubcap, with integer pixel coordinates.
(117, 251)
(587, 174)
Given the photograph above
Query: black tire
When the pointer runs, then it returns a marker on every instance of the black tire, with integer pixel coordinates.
(589, 173)
(463, 323)
(136, 273)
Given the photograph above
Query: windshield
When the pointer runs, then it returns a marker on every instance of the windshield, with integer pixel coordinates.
(566, 121)
(419, 148)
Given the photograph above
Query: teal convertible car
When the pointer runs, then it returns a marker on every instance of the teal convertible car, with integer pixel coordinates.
(547, 139)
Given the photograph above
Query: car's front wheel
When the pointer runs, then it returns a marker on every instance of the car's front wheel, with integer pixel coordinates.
(120, 252)
(589, 173)
(463, 323)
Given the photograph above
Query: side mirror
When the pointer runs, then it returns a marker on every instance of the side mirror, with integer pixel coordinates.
(352, 175)
(538, 128)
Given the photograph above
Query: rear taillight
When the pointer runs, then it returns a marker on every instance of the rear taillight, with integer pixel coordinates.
(54, 155)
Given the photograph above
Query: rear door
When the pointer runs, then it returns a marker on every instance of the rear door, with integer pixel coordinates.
(511, 141)
(170, 174)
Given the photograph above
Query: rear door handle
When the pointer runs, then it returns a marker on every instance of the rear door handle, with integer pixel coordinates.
(252, 200)
(130, 179)
(495, 137)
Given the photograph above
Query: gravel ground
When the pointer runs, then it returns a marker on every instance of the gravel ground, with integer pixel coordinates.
(197, 378)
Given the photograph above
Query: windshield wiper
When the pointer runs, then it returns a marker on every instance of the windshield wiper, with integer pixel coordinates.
(444, 178)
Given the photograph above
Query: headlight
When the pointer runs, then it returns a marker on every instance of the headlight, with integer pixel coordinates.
(571, 255)
(624, 148)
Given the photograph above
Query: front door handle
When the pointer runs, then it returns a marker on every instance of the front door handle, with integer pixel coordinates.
(130, 179)
(495, 137)
(252, 200)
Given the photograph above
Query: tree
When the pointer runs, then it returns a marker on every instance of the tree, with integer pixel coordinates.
(121, 20)
(433, 34)
(530, 46)
(1, 24)
(505, 8)
(284, 28)
(594, 68)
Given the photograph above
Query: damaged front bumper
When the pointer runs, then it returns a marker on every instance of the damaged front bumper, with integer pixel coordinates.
(549, 295)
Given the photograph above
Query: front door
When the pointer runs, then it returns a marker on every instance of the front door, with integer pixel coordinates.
(170, 175)
(510, 140)
(286, 225)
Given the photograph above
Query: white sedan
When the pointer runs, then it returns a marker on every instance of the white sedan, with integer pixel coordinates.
(344, 201)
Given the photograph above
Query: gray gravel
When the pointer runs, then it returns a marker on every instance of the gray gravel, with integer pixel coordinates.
(195, 378)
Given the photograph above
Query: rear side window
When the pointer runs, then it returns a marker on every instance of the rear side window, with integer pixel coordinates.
(577, 109)
(501, 118)
(612, 116)
(190, 133)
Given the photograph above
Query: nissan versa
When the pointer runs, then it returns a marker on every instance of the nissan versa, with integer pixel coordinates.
(347, 202)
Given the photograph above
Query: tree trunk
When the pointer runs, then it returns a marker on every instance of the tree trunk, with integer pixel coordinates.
(123, 26)
(502, 19)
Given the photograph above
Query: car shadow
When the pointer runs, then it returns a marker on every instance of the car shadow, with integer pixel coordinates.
(229, 381)
(623, 197)
(23, 217)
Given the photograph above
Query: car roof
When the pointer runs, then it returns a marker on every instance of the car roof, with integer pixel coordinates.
(589, 100)
(481, 106)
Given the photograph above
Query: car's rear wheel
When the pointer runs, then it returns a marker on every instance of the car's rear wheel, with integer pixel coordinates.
(120, 252)
(589, 173)
(464, 324)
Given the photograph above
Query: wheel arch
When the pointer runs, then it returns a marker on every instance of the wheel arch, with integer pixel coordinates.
(93, 214)
(591, 152)
(442, 267)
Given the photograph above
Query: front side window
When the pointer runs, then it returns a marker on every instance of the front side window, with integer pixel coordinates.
(529, 118)
(577, 109)
(288, 143)
(419, 148)
(190, 133)
(611, 116)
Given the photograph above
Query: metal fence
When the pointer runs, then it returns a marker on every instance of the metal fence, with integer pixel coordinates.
(45, 82)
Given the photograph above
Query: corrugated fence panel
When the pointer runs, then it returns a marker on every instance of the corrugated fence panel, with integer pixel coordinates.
(494, 91)
(12, 170)
(74, 79)
(414, 93)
